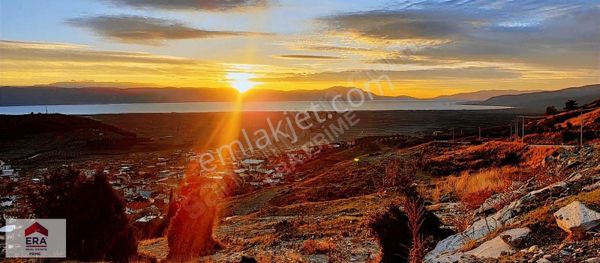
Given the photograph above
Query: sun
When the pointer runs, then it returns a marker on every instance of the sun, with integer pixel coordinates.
(241, 81)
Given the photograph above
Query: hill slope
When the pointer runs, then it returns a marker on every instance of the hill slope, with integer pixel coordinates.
(538, 101)
(482, 95)
(52, 137)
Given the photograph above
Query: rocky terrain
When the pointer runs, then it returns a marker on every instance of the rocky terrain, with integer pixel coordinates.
(505, 201)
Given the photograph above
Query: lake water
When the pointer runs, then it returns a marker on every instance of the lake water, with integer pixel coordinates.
(376, 105)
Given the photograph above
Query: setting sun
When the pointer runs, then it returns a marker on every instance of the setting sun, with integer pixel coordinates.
(241, 81)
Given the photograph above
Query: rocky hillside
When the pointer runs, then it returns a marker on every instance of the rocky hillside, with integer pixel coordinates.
(487, 200)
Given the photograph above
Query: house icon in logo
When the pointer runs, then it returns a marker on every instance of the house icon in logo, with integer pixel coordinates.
(36, 241)
(36, 228)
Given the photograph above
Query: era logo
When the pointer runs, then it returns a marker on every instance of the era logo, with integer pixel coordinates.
(36, 241)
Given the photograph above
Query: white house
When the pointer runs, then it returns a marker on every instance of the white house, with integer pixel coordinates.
(6, 169)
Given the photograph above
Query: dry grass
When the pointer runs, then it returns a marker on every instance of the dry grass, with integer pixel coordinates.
(318, 246)
(280, 256)
(536, 156)
(475, 157)
(494, 180)
(157, 248)
(267, 240)
(436, 194)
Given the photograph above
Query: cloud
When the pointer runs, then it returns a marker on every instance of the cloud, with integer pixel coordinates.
(39, 62)
(209, 5)
(60, 52)
(549, 34)
(146, 30)
(307, 57)
(412, 60)
(425, 74)
(402, 24)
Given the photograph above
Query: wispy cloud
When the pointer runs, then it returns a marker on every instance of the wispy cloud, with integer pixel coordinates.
(51, 62)
(403, 24)
(307, 57)
(549, 34)
(209, 5)
(440, 73)
(60, 52)
(146, 30)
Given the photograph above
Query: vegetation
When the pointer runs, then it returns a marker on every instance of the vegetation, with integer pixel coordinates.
(571, 105)
(98, 228)
(551, 110)
(190, 230)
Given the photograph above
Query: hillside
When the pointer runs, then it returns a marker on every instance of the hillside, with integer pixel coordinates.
(482, 95)
(538, 101)
(326, 212)
(54, 137)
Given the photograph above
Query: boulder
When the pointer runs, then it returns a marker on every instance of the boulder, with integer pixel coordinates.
(501, 244)
(576, 218)
(448, 250)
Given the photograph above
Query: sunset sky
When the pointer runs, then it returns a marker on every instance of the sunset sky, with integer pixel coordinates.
(426, 48)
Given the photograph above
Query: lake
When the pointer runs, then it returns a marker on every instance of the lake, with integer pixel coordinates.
(375, 105)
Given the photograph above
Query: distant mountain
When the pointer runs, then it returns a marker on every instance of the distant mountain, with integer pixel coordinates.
(40, 95)
(13, 96)
(316, 95)
(482, 95)
(538, 101)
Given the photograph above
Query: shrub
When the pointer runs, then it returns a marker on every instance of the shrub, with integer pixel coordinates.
(392, 230)
(551, 110)
(400, 175)
(571, 105)
(190, 230)
(97, 228)
(415, 212)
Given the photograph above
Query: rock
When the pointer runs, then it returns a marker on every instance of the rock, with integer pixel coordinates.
(499, 245)
(592, 260)
(576, 218)
(446, 198)
(532, 249)
(319, 258)
(448, 250)
(543, 260)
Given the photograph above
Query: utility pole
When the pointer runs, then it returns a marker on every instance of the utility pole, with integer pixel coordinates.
(523, 130)
(581, 128)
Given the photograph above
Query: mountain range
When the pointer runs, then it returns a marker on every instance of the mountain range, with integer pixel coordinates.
(73, 95)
